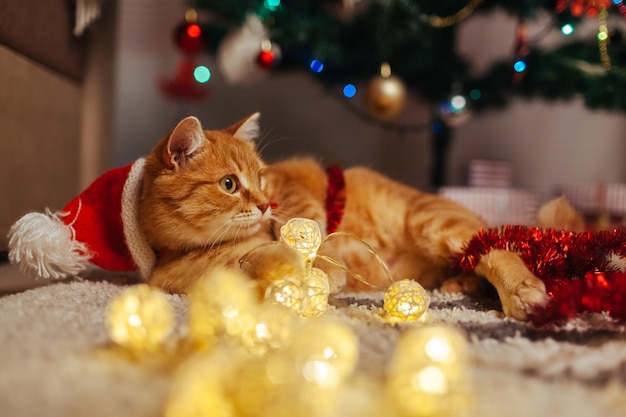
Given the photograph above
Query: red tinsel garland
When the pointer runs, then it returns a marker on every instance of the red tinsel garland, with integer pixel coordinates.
(335, 198)
(574, 267)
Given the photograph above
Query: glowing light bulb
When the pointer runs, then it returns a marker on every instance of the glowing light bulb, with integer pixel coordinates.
(140, 318)
(316, 66)
(194, 31)
(202, 74)
(288, 292)
(567, 29)
(272, 4)
(349, 90)
(321, 372)
(405, 300)
(430, 380)
(320, 342)
(429, 372)
(519, 66)
(271, 331)
(303, 235)
(458, 103)
(439, 350)
(192, 393)
(222, 301)
(317, 291)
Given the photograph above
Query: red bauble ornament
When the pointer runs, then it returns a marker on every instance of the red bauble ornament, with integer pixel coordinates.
(183, 86)
(189, 38)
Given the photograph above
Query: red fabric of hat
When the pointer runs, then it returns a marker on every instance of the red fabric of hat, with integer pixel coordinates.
(95, 216)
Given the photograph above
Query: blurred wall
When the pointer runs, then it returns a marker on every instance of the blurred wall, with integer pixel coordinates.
(41, 69)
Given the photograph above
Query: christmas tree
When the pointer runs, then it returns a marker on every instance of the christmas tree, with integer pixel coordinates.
(399, 47)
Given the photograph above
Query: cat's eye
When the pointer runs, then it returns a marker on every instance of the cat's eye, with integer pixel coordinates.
(229, 184)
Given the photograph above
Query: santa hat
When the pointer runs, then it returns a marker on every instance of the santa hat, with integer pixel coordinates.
(99, 226)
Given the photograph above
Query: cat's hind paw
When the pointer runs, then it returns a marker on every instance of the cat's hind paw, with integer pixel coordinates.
(463, 283)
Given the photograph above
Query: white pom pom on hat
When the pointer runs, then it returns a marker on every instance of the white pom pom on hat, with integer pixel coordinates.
(99, 226)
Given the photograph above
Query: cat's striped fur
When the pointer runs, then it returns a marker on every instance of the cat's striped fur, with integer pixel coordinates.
(196, 222)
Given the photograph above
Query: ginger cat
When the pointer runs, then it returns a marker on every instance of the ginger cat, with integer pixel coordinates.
(206, 201)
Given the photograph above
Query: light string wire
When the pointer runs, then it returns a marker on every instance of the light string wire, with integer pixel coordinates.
(356, 275)
(333, 261)
(455, 18)
(603, 38)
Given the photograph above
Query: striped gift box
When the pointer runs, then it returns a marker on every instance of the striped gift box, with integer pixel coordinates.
(497, 206)
(597, 198)
(485, 173)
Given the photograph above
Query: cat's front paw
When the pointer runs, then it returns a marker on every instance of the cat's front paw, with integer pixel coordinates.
(527, 296)
(520, 291)
(272, 261)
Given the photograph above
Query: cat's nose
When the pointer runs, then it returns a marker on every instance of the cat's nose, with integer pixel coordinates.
(263, 207)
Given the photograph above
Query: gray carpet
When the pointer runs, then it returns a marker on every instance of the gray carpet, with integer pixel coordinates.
(54, 360)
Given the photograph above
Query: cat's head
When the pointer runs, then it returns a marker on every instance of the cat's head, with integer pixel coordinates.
(201, 187)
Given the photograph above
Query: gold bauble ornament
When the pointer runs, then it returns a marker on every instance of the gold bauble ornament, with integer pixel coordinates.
(140, 318)
(385, 95)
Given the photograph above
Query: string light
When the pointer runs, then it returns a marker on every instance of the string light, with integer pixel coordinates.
(194, 394)
(271, 331)
(223, 301)
(567, 29)
(317, 287)
(325, 351)
(303, 235)
(455, 18)
(458, 103)
(519, 66)
(349, 90)
(272, 5)
(405, 300)
(140, 318)
(429, 373)
(194, 31)
(316, 66)
(603, 38)
(202, 74)
(288, 292)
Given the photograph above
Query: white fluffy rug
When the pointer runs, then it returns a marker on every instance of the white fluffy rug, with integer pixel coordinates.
(52, 340)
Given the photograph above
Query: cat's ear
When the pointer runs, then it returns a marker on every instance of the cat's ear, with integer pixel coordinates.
(186, 138)
(247, 129)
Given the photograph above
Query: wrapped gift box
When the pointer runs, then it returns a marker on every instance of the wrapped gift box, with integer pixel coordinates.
(490, 174)
(595, 198)
(498, 206)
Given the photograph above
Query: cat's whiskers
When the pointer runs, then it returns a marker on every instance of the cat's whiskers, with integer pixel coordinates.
(262, 146)
(216, 237)
(282, 215)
